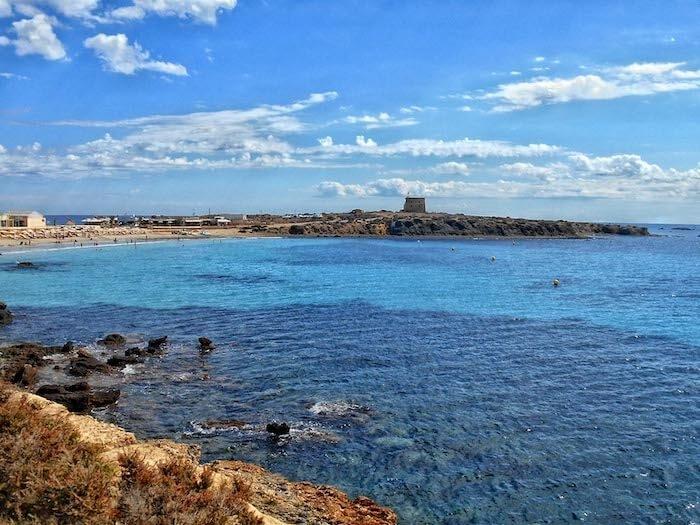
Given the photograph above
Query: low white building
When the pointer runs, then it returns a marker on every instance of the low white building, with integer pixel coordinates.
(22, 219)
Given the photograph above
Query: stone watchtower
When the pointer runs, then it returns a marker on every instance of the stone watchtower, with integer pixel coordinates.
(414, 205)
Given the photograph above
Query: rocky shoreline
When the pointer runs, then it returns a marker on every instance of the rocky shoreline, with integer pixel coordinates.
(70, 397)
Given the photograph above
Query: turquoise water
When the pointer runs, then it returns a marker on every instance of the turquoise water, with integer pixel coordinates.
(450, 386)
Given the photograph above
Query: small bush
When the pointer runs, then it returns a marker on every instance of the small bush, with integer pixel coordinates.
(48, 476)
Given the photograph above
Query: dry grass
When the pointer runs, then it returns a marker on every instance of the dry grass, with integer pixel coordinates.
(49, 476)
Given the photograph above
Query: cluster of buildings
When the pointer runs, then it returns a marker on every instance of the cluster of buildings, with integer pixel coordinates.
(218, 221)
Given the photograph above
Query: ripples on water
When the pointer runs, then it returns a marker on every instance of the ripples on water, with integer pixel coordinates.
(448, 416)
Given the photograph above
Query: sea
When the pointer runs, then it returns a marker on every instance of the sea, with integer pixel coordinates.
(448, 379)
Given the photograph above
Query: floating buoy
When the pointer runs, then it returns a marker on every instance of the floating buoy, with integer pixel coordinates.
(452, 249)
(555, 282)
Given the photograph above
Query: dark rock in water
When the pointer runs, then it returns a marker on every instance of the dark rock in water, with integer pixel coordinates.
(133, 351)
(113, 340)
(278, 429)
(84, 364)
(25, 264)
(68, 347)
(223, 423)
(5, 314)
(103, 398)
(157, 344)
(206, 344)
(121, 362)
(79, 397)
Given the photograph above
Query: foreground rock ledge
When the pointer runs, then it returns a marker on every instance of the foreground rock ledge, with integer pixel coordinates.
(275, 500)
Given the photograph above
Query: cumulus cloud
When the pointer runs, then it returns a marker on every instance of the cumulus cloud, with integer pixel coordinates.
(205, 11)
(394, 187)
(362, 142)
(35, 36)
(229, 139)
(381, 120)
(439, 148)
(632, 80)
(121, 57)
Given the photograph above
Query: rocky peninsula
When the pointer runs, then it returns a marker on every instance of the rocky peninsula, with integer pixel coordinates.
(401, 224)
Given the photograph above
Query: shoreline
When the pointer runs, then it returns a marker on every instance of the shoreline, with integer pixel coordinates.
(30, 392)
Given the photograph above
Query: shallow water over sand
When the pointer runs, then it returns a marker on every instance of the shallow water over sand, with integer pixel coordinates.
(451, 387)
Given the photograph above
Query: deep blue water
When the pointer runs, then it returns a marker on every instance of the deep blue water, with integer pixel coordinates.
(454, 388)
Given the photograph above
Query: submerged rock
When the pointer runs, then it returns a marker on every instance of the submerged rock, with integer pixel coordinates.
(113, 340)
(25, 264)
(79, 397)
(278, 429)
(223, 424)
(5, 314)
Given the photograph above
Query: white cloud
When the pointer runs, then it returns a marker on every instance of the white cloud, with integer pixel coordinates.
(205, 11)
(394, 187)
(121, 57)
(130, 12)
(632, 80)
(74, 8)
(439, 148)
(363, 143)
(465, 109)
(326, 141)
(230, 139)
(35, 36)
(12, 76)
(451, 168)
(408, 110)
(5, 8)
(381, 120)
(4, 41)
(539, 59)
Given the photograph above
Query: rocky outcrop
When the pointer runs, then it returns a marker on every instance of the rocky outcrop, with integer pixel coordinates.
(20, 362)
(85, 364)
(503, 227)
(272, 499)
(157, 344)
(79, 397)
(5, 314)
(358, 223)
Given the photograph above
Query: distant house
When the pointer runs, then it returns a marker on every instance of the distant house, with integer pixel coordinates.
(414, 205)
(22, 219)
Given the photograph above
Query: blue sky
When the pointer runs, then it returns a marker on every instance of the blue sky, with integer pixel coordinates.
(538, 109)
